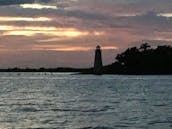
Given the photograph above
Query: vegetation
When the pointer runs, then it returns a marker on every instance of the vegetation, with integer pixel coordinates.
(143, 60)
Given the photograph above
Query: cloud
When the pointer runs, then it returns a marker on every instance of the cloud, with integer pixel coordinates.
(110, 23)
(15, 2)
(31, 19)
(18, 2)
(38, 6)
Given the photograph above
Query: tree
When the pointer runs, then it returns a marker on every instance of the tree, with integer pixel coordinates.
(145, 60)
(144, 47)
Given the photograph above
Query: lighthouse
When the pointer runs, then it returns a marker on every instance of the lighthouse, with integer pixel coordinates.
(98, 61)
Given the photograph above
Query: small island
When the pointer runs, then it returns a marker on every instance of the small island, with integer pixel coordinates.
(143, 60)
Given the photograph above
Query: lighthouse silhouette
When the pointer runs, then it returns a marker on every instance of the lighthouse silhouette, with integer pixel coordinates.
(98, 61)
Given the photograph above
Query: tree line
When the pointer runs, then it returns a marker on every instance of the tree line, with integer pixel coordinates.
(142, 60)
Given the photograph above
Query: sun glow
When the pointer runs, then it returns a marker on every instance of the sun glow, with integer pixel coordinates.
(49, 31)
(64, 33)
(64, 49)
(96, 33)
(30, 19)
(38, 6)
(54, 47)
(5, 27)
(46, 47)
(109, 47)
(165, 14)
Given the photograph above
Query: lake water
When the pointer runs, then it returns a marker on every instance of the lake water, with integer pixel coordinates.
(66, 101)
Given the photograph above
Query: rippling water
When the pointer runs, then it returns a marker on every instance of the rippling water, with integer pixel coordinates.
(66, 101)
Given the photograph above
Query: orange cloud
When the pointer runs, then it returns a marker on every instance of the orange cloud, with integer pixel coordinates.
(54, 32)
(30, 19)
(165, 14)
(49, 31)
(69, 48)
(38, 6)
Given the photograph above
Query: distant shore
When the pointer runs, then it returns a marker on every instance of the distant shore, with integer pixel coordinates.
(144, 60)
(61, 69)
(83, 71)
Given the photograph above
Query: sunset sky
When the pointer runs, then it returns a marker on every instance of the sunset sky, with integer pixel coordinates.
(54, 33)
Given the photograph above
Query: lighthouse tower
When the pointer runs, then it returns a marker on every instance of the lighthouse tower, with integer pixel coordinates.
(98, 61)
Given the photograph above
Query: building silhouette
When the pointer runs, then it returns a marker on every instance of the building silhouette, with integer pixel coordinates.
(98, 66)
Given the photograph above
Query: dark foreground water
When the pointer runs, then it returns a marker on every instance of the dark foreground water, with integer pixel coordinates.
(65, 101)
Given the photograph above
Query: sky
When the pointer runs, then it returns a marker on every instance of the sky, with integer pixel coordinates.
(64, 33)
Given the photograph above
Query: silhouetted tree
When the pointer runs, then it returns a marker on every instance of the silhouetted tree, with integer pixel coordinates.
(144, 47)
(143, 60)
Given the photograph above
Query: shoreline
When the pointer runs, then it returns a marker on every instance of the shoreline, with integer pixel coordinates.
(84, 73)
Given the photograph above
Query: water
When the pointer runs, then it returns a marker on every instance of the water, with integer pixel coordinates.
(66, 101)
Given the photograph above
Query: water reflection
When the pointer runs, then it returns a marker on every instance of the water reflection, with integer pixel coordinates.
(65, 101)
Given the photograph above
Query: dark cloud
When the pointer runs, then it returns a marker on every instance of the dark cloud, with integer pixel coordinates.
(150, 21)
(16, 2)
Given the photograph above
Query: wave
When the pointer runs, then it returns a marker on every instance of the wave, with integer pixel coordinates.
(105, 108)
(160, 122)
(160, 105)
(26, 109)
(79, 128)
(97, 128)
